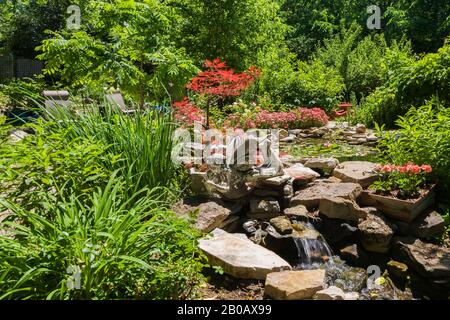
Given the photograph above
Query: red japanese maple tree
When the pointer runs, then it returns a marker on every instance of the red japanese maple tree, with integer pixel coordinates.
(220, 82)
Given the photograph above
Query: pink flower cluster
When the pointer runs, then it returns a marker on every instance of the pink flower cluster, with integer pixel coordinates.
(187, 113)
(294, 119)
(268, 120)
(314, 117)
(409, 168)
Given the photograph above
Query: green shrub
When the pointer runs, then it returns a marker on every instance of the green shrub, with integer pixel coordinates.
(411, 84)
(41, 163)
(118, 247)
(423, 138)
(23, 93)
(308, 85)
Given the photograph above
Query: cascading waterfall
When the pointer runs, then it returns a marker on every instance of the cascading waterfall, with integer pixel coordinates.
(312, 251)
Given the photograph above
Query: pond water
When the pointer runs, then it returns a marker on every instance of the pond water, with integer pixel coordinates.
(324, 148)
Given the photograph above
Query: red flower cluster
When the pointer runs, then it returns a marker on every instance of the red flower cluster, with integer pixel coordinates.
(186, 112)
(409, 168)
(221, 81)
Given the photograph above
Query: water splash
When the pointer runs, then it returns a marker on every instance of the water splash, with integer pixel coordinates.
(312, 251)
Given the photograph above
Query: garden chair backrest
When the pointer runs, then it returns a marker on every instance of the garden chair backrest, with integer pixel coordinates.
(56, 98)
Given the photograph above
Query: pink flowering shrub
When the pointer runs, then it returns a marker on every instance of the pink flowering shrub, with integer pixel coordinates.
(187, 113)
(405, 181)
(294, 119)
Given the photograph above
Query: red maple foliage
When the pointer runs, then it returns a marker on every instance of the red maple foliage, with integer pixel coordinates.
(221, 81)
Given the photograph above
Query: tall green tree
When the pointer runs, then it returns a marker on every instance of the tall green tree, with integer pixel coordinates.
(126, 44)
(236, 31)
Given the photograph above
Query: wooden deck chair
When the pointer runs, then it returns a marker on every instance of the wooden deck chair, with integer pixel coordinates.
(116, 100)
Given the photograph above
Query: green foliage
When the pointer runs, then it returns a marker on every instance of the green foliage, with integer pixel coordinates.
(313, 21)
(309, 84)
(123, 44)
(119, 247)
(24, 92)
(425, 22)
(143, 141)
(407, 185)
(423, 138)
(240, 32)
(410, 85)
(38, 165)
(364, 65)
(23, 24)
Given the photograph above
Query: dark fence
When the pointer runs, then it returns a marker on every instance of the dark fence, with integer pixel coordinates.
(11, 67)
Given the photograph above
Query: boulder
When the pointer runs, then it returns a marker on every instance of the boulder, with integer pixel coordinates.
(298, 170)
(360, 128)
(347, 278)
(289, 139)
(282, 133)
(429, 260)
(355, 255)
(282, 225)
(288, 191)
(311, 196)
(321, 163)
(361, 172)
(240, 257)
(376, 233)
(198, 181)
(337, 231)
(207, 215)
(250, 226)
(294, 285)
(299, 211)
(330, 293)
(397, 271)
(17, 135)
(427, 225)
(276, 181)
(340, 208)
(264, 208)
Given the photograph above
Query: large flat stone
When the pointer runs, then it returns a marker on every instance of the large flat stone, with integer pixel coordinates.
(362, 172)
(429, 260)
(299, 171)
(241, 258)
(294, 285)
(321, 163)
(311, 196)
(340, 208)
